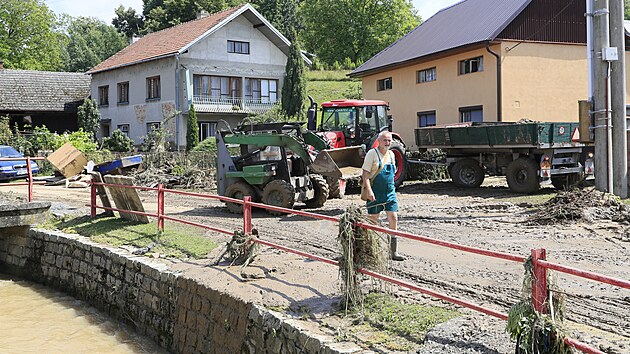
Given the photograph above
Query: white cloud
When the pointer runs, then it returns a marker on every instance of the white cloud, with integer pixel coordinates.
(427, 8)
(102, 9)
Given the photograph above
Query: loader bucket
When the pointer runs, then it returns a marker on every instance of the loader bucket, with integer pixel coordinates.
(342, 163)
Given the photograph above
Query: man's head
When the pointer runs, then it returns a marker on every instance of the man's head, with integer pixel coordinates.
(384, 140)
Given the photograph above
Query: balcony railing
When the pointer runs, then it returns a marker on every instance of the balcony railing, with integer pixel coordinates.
(209, 104)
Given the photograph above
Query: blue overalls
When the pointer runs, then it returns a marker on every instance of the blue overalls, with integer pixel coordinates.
(384, 189)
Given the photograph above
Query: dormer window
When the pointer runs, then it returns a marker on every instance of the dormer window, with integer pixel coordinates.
(238, 47)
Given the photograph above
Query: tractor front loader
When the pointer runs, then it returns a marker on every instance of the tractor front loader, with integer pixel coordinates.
(273, 165)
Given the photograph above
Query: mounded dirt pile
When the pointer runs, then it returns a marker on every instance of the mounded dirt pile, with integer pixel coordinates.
(588, 205)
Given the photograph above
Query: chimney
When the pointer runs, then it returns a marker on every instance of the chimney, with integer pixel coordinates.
(202, 14)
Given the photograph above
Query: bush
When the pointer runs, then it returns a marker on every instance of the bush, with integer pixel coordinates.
(118, 142)
(88, 117)
(207, 145)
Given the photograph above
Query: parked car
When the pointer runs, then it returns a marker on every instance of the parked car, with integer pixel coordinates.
(11, 169)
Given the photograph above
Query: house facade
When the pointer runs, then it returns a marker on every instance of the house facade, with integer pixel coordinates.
(484, 61)
(228, 65)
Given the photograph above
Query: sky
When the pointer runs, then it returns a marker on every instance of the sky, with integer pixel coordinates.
(104, 9)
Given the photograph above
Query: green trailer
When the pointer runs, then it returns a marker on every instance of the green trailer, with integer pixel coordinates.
(528, 154)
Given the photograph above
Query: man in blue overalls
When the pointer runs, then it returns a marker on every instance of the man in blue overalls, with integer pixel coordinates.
(378, 175)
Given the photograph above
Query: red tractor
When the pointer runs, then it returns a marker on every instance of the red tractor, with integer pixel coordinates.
(347, 123)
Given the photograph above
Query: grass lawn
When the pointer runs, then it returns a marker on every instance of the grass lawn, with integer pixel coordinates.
(177, 240)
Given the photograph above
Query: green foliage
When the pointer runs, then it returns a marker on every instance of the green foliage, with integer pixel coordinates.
(275, 114)
(5, 131)
(160, 14)
(354, 91)
(354, 29)
(294, 89)
(626, 11)
(89, 42)
(88, 117)
(328, 75)
(28, 37)
(192, 129)
(207, 145)
(127, 21)
(118, 142)
(80, 139)
(283, 15)
(177, 240)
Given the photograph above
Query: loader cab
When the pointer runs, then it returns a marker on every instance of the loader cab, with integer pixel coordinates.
(353, 122)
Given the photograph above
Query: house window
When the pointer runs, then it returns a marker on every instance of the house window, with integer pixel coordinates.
(384, 84)
(471, 65)
(153, 88)
(426, 119)
(471, 114)
(207, 130)
(427, 75)
(103, 95)
(238, 47)
(261, 90)
(151, 126)
(217, 86)
(124, 128)
(123, 92)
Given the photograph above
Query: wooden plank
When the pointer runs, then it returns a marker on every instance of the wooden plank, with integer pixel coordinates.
(126, 198)
(100, 191)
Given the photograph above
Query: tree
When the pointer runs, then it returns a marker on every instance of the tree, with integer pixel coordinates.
(89, 117)
(118, 142)
(283, 14)
(28, 37)
(626, 9)
(355, 29)
(192, 129)
(160, 14)
(294, 89)
(90, 41)
(127, 21)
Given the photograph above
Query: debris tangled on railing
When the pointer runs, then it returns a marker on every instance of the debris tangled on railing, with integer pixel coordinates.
(580, 205)
(360, 248)
(241, 250)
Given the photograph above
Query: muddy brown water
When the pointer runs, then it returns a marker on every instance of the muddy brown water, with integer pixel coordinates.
(36, 319)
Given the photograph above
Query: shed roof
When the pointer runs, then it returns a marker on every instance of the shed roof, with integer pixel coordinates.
(27, 90)
(177, 39)
(464, 23)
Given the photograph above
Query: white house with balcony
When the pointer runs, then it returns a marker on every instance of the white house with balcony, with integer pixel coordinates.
(228, 65)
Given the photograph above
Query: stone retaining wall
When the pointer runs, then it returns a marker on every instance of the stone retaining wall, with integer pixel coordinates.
(178, 313)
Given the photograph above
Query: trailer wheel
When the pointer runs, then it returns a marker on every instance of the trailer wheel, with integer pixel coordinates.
(278, 193)
(401, 162)
(567, 181)
(321, 192)
(335, 189)
(522, 176)
(467, 173)
(238, 190)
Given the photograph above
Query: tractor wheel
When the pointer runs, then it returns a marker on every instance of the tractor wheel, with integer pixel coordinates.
(401, 162)
(335, 189)
(321, 192)
(567, 181)
(238, 190)
(278, 193)
(467, 173)
(522, 176)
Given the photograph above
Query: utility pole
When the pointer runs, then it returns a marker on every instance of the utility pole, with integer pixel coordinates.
(618, 98)
(601, 106)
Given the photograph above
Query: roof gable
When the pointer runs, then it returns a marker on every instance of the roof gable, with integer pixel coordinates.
(464, 23)
(28, 90)
(177, 39)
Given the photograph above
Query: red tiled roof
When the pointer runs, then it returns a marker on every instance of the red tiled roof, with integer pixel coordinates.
(165, 42)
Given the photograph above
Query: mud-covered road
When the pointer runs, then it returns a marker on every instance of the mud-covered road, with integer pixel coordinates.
(490, 217)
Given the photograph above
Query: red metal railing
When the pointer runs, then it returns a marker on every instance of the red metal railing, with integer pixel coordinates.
(29, 174)
(538, 256)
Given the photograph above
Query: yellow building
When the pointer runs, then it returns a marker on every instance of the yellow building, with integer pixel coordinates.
(484, 60)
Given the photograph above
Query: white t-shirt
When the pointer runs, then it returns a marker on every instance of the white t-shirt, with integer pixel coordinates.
(370, 163)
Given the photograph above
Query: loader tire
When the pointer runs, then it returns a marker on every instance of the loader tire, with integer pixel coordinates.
(467, 173)
(321, 192)
(238, 190)
(400, 158)
(522, 176)
(278, 193)
(334, 188)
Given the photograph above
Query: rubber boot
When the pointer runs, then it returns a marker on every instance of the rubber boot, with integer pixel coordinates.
(393, 244)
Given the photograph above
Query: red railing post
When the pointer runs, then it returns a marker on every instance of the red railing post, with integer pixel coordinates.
(247, 215)
(539, 282)
(30, 178)
(93, 199)
(160, 207)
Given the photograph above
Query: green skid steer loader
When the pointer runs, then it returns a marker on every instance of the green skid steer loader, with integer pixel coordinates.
(274, 165)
